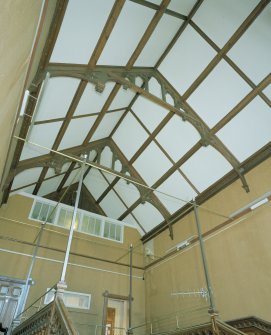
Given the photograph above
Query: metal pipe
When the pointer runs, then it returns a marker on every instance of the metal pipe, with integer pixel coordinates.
(25, 290)
(204, 261)
(131, 290)
(67, 254)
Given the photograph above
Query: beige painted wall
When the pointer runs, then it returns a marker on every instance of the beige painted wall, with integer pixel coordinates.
(85, 275)
(238, 257)
(18, 24)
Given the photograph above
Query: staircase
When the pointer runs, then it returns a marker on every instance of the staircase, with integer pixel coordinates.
(52, 319)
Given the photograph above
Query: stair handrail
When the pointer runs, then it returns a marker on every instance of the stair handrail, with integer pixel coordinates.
(52, 288)
(228, 329)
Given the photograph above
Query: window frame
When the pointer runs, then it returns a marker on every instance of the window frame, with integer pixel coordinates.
(81, 213)
(46, 300)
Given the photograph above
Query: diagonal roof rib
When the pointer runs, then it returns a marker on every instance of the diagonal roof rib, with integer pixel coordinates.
(126, 77)
(115, 12)
(48, 48)
(130, 63)
(235, 37)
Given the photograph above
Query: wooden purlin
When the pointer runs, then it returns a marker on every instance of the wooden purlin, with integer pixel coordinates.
(231, 42)
(169, 47)
(115, 12)
(230, 62)
(249, 164)
(48, 48)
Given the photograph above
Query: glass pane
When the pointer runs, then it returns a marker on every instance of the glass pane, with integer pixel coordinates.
(36, 211)
(68, 219)
(61, 218)
(106, 229)
(84, 226)
(97, 230)
(118, 233)
(44, 212)
(51, 214)
(112, 231)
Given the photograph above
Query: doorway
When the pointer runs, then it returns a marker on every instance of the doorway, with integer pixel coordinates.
(116, 319)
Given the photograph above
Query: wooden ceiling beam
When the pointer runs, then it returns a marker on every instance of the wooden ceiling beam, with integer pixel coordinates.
(235, 37)
(156, 7)
(249, 164)
(166, 153)
(242, 104)
(58, 16)
(230, 62)
(160, 181)
(179, 33)
(110, 23)
(124, 204)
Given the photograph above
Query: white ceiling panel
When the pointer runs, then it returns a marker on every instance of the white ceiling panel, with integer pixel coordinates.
(112, 205)
(51, 172)
(249, 130)
(95, 183)
(218, 94)
(155, 88)
(43, 134)
(177, 137)
(149, 113)
(49, 186)
(80, 127)
(186, 60)
(122, 99)
(128, 192)
(106, 157)
(127, 143)
(107, 125)
(164, 32)
(218, 19)
(126, 34)
(183, 7)
(109, 177)
(91, 101)
(56, 99)
(147, 215)
(28, 189)
(152, 164)
(205, 167)
(26, 177)
(75, 43)
(255, 44)
(178, 188)
(131, 221)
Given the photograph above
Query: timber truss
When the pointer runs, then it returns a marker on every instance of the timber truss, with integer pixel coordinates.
(126, 77)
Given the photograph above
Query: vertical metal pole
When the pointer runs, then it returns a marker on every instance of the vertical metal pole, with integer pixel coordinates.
(204, 261)
(25, 289)
(131, 291)
(64, 269)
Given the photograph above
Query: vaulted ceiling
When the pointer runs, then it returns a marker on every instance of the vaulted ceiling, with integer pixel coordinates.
(169, 99)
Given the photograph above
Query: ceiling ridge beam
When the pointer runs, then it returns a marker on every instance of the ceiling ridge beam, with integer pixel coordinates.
(231, 42)
(229, 61)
